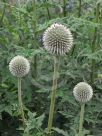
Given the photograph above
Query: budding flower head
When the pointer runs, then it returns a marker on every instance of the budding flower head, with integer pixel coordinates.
(83, 92)
(57, 39)
(19, 66)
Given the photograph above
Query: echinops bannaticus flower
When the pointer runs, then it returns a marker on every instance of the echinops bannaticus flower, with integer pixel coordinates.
(19, 66)
(83, 92)
(57, 39)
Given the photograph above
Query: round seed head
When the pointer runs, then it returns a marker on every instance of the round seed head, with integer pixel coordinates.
(19, 66)
(83, 92)
(57, 39)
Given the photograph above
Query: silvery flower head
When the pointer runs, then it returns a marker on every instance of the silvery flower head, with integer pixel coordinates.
(57, 39)
(83, 92)
(19, 66)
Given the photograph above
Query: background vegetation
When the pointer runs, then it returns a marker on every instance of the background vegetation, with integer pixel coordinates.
(22, 23)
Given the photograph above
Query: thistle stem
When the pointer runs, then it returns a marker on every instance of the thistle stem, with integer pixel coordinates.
(95, 44)
(64, 8)
(80, 3)
(2, 16)
(35, 22)
(53, 94)
(81, 120)
(48, 12)
(20, 101)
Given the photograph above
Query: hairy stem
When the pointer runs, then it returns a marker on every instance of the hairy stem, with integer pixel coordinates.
(20, 101)
(53, 94)
(81, 120)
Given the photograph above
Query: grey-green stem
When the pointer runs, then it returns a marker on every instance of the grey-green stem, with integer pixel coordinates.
(53, 94)
(20, 101)
(80, 4)
(81, 120)
(95, 43)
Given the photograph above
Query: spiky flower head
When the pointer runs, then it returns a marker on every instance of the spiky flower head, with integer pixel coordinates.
(19, 66)
(83, 92)
(57, 39)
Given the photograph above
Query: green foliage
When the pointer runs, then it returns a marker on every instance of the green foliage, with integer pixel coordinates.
(34, 125)
(21, 28)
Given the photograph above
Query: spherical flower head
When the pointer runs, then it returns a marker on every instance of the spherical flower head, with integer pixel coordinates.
(83, 92)
(19, 66)
(57, 39)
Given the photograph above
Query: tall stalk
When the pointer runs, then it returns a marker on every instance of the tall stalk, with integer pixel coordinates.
(35, 14)
(19, 15)
(64, 8)
(94, 44)
(35, 27)
(48, 12)
(81, 120)
(53, 94)
(79, 12)
(3, 13)
(20, 101)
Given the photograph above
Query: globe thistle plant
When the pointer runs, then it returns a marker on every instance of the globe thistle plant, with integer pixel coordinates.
(19, 67)
(82, 92)
(57, 40)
